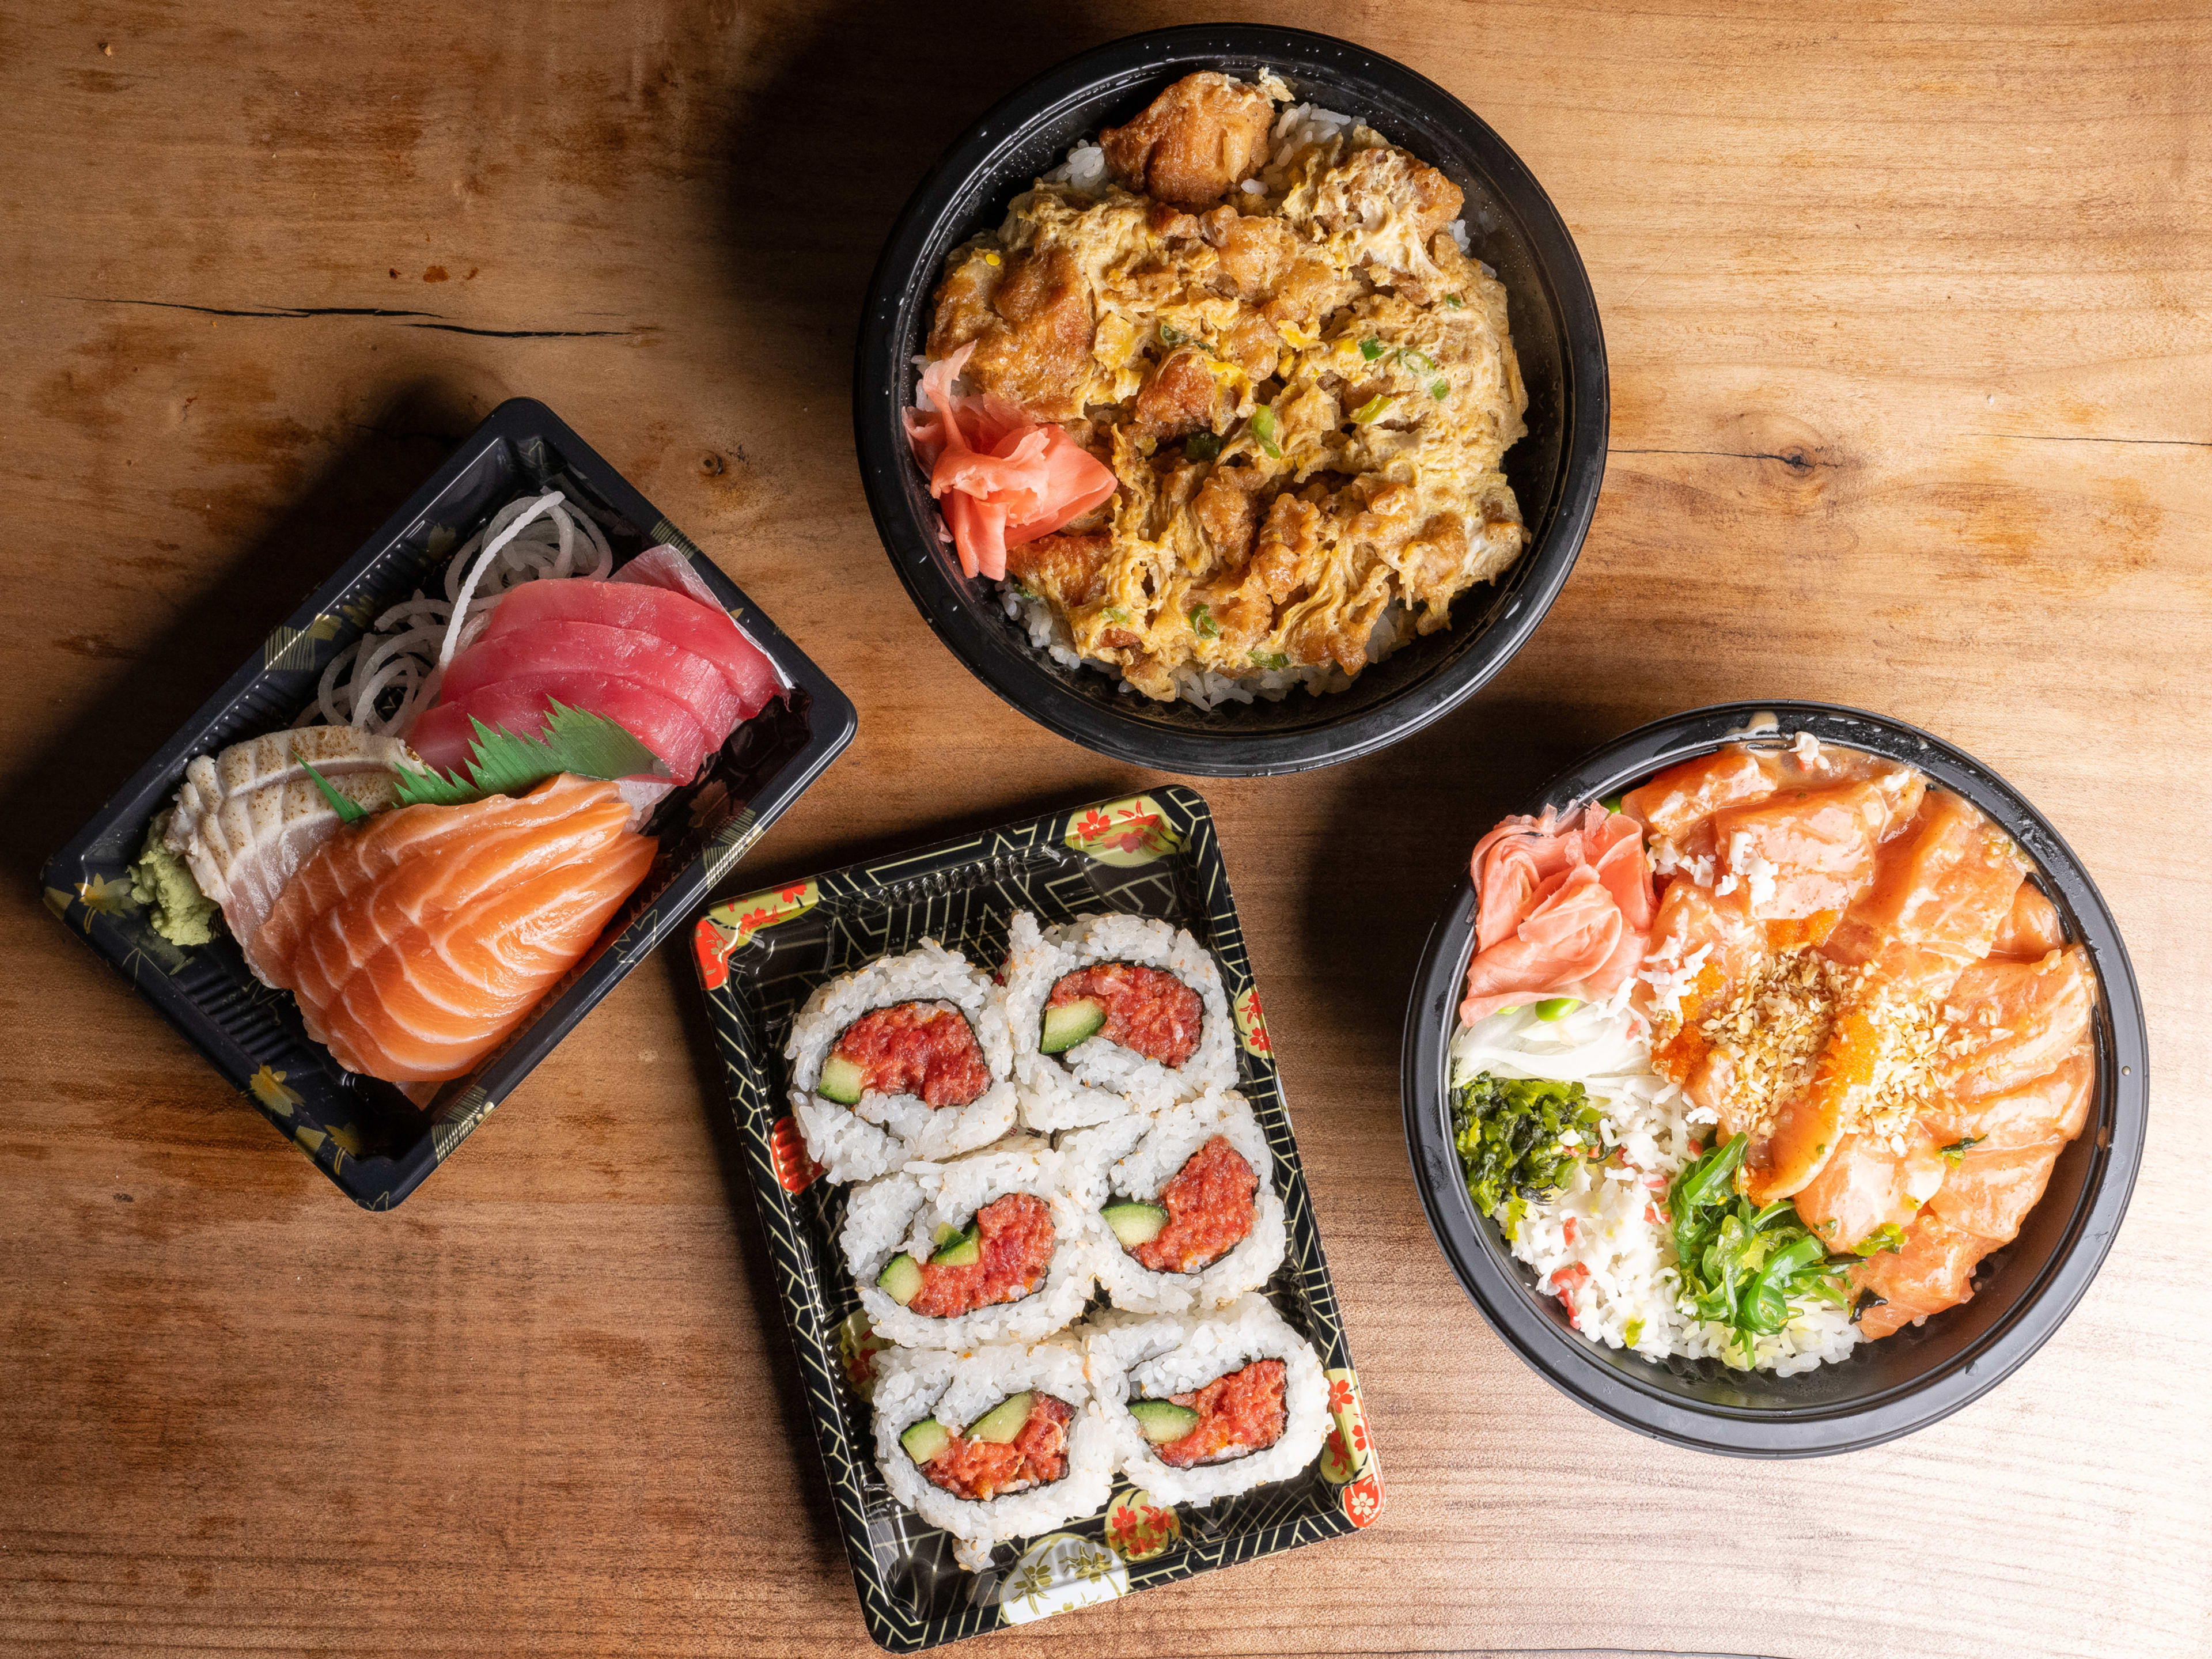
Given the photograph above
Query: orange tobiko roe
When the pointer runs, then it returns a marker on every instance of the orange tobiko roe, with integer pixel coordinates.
(1240, 1412)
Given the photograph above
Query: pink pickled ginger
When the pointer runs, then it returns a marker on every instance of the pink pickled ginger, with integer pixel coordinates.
(1003, 478)
(1563, 907)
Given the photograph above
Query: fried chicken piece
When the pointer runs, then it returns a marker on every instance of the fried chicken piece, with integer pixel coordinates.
(1253, 250)
(1031, 321)
(1195, 143)
(1068, 570)
(1224, 511)
(1180, 398)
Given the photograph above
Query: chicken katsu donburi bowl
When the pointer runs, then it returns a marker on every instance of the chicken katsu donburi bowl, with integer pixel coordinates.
(1777, 1083)
(1231, 400)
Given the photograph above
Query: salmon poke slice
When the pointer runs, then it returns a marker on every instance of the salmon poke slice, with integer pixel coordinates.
(1202, 1214)
(1000, 1255)
(1146, 1009)
(924, 1049)
(1018, 1445)
(1237, 1414)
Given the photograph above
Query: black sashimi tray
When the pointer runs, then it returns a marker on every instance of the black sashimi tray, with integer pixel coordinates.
(365, 1135)
(760, 958)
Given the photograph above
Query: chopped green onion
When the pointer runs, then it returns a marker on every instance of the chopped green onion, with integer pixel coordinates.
(1201, 446)
(1888, 1236)
(1552, 1008)
(1633, 1332)
(1372, 411)
(1171, 335)
(1440, 390)
(1115, 614)
(1958, 1149)
(1202, 622)
(1371, 350)
(1273, 661)
(1419, 361)
(1452, 300)
(1263, 428)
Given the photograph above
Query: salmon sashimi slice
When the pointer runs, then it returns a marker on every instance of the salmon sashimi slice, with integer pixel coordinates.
(416, 942)
(2021, 1020)
(1934, 1270)
(1672, 804)
(1993, 1189)
(1562, 907)
(1802, 851)
(644, 603)
(2055, 1104)
(1866, 1185)
(445, 734)
(1942, 889)
(2032, 930)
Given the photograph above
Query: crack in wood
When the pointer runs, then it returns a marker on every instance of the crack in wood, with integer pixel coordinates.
(1796, 460)
(529, 333)
(2055, 438)
(290, 313)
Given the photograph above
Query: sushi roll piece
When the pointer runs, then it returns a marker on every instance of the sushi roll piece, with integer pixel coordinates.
(994, 1247)
(1190, 1203)
(1207, 1405)
(1112, 1014)
(998, 1443)
(908, 1058)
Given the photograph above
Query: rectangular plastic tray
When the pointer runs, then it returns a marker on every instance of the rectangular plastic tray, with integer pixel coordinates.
(363, 1133)
(761, 955)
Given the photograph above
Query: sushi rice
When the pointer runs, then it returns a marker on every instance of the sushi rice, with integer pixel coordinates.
(901, 1214)
(1611, 1218)
(1135, 1157)
(1097, 1079)
(883, 1132)
(959, 1388)
(1133, 1358)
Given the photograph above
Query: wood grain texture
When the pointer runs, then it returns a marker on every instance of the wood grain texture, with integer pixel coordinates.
(1910, 358)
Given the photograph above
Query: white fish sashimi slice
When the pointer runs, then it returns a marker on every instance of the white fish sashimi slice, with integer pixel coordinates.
(247, 819)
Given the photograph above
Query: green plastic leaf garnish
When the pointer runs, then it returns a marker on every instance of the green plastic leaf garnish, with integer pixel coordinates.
(349, 812)
(501, 763)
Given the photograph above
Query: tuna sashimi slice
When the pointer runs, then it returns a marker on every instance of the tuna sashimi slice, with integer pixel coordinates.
(416, 942)
(617, 653)
(704, 630)
(444, 734)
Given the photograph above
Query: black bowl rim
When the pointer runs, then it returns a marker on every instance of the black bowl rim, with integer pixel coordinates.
(1496, 1286)
(878, 392)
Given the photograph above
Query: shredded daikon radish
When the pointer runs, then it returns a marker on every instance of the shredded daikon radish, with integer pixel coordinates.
(412, 642)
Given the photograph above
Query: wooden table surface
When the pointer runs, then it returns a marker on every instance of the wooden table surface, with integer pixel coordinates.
(1906, 309)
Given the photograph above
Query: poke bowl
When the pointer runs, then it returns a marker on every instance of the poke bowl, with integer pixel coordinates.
(1265, 712)
(1841, 1359)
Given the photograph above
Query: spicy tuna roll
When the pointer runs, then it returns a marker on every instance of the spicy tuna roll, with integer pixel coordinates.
(1204, 1407)
(1188, 1198)
(907, 1057)
(995, 1443)
(994, 1246)
(1111, 1014)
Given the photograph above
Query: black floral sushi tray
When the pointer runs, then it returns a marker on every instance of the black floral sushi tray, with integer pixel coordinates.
(760, 956)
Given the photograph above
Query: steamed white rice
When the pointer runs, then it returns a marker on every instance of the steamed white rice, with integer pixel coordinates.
(1134, 1157)
(1097, 1079)
(901, 1214)
(957, 1389)
(1611, 1218)
(1137, 1359)
(882, 1132)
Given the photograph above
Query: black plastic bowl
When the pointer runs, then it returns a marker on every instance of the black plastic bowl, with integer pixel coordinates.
(2022, 1293)
(1555, 470)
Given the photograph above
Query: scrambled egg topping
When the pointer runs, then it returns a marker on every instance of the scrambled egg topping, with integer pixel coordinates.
(1305, 389)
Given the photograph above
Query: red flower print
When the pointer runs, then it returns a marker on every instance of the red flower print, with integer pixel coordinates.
(753, 920)
(1340, 1394)
(792, 895)
(1359, 1436)
(1095, 823)
(712, 951)
(1362, 1499)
